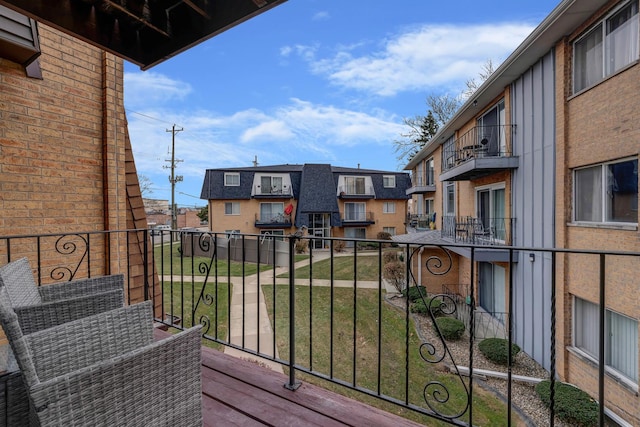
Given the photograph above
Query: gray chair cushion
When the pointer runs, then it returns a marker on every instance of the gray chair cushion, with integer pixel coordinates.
(17, 278)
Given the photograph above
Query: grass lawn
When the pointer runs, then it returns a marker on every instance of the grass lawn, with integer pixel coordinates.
(360, 346)
(343, 268)
(172, 262)
(179, 302)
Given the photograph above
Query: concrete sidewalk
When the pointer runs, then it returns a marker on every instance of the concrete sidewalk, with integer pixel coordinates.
(249, 317)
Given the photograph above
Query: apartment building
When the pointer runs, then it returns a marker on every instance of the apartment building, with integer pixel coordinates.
(331, 201)
(545, 155)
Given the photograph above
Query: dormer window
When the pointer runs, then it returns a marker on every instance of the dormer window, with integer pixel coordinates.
(231, 179)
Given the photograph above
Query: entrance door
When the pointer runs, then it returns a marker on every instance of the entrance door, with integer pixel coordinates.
(320, 226)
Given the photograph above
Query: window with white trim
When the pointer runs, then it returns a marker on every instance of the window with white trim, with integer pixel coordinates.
(621, 337)
(272, 212)
(606, 47)
(606, 193)
(390, 230)
(355, 211)
(389, 181)
(355, 184)
(232, 208)
(231, 179)
(450, 199)
(389, 207)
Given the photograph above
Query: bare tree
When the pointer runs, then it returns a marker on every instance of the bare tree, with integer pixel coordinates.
(440, 109)
(145, 185)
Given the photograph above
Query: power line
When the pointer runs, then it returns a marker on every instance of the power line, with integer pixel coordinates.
(173, 178)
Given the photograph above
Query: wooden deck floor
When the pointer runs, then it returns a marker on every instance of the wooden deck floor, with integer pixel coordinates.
(237, 392)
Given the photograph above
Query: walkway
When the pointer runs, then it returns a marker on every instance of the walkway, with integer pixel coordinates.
(250, 318)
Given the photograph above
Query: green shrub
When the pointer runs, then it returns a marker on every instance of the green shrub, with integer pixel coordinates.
(570, 403)
(419, 306)
(451, 328)
(495, 349)
(414, 293)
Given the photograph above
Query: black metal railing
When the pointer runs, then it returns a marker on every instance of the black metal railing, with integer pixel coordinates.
(478, 142)
(478, 231)
(333, 315)
(357, 217)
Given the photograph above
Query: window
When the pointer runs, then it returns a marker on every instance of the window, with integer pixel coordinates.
(389, 207)
(621, 337)
(490, 204)
(390, 230)
(355, 184)
(491, 131)
(417, 176)
(449, 153)
(231, 179)
(354, 212)
(389, 181)
(607, 192)
(272, 212)
(606, 48)
(430, 172)
(271, 185)
(429, 207)
(450, 199)
(232, 208)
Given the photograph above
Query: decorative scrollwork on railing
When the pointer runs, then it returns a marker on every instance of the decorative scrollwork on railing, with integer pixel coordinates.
(205, 321)
(65, 246)
(436, 394)
(207, 244)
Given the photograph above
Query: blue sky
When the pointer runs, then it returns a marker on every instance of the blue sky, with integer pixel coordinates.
(313, 81)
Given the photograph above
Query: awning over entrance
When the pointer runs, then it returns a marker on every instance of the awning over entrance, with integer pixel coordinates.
(145, 32)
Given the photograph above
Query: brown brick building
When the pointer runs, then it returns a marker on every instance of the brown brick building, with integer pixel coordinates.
(562, 173)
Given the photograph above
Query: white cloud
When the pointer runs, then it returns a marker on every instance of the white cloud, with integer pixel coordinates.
(422, 58)
(148, 88)
(321, 16)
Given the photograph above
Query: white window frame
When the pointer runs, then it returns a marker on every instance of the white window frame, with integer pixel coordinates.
(604, 202)
(235, 208)
(430, 174)
(390, 230)
(272, 216)
(228, 178)
(582, 331)
(389, 207)
(389, 181)
(361, 215)
(445, 199)
(351, 184)
(604, 49)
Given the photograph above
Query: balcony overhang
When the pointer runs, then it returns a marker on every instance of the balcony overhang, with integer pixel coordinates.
(145, 33)
(484, 254)
(420, 189)
(477, 167)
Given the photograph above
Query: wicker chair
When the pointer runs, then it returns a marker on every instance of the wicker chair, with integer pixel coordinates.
(106, 370)
(40, 307)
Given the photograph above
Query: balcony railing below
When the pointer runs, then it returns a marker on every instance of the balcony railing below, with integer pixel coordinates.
(478, 231)
(275, 192)
(356, 191)
(353, 218)
(273, 220)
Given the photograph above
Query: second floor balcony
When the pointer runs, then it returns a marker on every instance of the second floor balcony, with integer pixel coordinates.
(481, 151)
(277, 192)
(273, 220)
(478, 231)
(422, 184)
(356, 192)
(355, 218)
(342, 331)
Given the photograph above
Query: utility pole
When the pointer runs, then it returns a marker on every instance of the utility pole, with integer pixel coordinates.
(173, 178)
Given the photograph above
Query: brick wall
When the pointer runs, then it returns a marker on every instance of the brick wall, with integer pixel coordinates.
(64, 151)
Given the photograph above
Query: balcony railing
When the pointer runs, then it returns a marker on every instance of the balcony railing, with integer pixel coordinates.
(476, 231)
(356, 191)
(357, 217)
(479, 142)
(330, 315)
(273, 220)
(275, 191)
